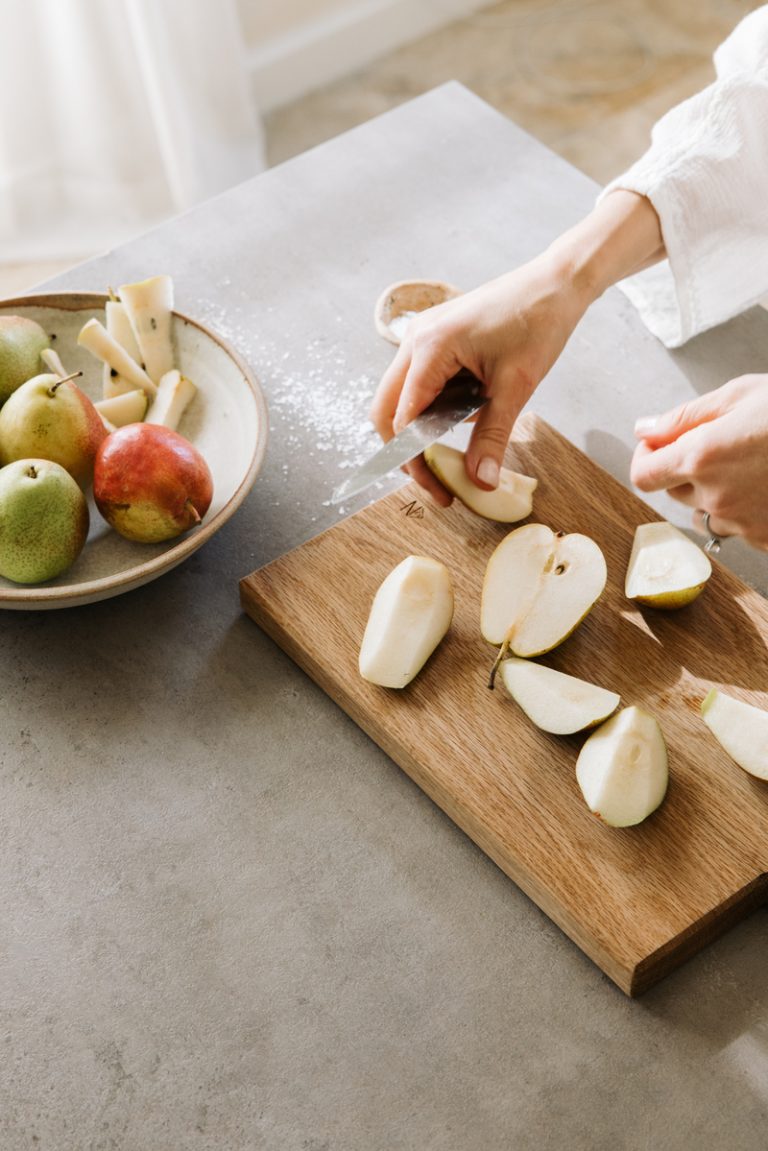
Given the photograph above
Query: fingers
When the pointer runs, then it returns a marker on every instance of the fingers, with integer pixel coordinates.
(493, 427)
(385, 401)
(418, 471)
(656, 469)
(658, 431)
(430, 368)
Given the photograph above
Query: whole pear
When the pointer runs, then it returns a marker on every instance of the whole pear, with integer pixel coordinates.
(150, 483)
(43, 521)
(51, 418)
(21, 342)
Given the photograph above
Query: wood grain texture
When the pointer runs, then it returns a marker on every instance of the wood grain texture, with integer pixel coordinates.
(638, 901)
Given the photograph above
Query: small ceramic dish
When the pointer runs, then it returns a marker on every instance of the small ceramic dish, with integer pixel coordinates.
(227, 421)
(400, 302)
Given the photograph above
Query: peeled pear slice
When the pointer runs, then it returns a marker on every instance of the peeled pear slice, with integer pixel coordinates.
(740, 728)
(511, 501)
(558, 703)
(95, 337)
(149, 304)
(538, 587)
(127, 408)
(622, 768)
(666, 570)
(119, 327)
(174, 394)
(411, 612)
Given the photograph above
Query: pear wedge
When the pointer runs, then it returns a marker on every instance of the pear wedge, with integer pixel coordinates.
(149, 304)
(538, 587)
(95, 337)
(411, 613)
(119, 328)
(622, 768)
(740, 728)
(666, 569)
(126, 408)
(174, 395)
(555, 702)
(511, 501)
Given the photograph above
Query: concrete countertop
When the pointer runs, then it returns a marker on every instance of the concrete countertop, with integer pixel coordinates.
(229, 921)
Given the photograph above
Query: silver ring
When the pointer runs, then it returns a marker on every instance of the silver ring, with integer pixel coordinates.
(714, 543)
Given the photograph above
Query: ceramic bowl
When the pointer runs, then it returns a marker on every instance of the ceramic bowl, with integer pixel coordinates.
(227, 421)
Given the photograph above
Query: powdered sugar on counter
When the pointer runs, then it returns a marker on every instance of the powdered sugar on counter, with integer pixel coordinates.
(318, 407)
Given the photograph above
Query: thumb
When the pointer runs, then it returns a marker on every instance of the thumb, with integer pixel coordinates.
(657, 431)
(490, 436)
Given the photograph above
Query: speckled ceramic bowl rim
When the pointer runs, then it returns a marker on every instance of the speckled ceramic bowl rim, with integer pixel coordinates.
(71, 595)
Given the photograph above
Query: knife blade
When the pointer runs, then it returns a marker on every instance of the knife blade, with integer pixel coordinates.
(461, 397)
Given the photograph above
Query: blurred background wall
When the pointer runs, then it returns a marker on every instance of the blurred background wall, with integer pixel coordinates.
(119, 113)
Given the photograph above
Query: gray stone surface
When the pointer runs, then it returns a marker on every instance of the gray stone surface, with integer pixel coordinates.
(229, 921)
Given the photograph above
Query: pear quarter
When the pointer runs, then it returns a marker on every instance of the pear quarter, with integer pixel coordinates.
(538, 587)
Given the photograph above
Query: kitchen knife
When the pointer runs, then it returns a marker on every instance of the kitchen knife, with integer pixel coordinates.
(461, 397)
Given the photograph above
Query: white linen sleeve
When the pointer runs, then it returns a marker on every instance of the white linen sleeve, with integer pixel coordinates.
(706, 174)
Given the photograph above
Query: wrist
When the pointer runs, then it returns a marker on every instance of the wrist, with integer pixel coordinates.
(621, 236)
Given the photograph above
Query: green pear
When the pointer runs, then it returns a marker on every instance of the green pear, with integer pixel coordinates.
(50, 418)
(21, 342)
(43, 521)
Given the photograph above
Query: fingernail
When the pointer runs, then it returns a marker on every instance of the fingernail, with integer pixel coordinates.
(488, 472)
(645, 425)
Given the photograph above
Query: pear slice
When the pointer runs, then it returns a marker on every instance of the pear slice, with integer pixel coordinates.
(558, 703)
(538, 587)
(53, 363)
(622, 768)
(149, 304)
(740, 728)
(127, 408)
(666, 570)
(174, 394)
(95, 337)
(411, 612)
(119, 327)
(511, 501)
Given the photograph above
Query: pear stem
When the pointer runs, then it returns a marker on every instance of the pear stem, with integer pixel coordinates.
(502, 655)
(63, 380)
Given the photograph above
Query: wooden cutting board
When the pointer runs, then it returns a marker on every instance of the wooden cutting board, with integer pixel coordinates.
(638, 901)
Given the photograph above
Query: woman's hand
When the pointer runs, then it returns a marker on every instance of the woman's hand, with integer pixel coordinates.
(509, 332)
(711, 453)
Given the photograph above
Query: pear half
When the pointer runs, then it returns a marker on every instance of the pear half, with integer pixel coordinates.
(666, 570)
(740, 728)
(622, 768)
(511, 501)
(538, 587)
(411, 612)
(558, 703)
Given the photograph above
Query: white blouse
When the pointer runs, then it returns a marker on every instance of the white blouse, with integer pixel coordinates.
(706, 174)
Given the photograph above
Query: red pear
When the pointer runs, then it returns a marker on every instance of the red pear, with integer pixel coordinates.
(150, 483)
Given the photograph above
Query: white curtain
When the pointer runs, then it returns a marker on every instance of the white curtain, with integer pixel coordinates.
(115, 114)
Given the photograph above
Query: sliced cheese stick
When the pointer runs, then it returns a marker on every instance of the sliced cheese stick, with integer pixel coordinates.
(149, 304)
(95, 337)
(174, 394)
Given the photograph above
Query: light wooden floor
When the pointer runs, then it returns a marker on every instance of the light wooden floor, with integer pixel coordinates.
(587, 77)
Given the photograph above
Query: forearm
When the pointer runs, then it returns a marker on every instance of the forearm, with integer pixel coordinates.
(621, 236)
